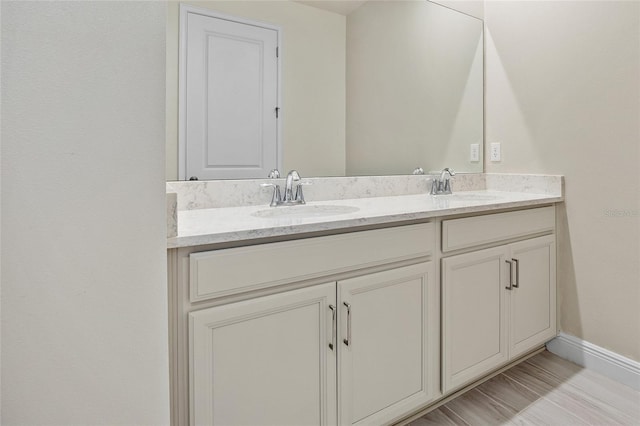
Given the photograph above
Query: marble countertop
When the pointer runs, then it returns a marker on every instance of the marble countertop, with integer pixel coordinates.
(234, 224)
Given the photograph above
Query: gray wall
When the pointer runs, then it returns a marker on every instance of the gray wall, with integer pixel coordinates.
(84, 299)
(563, 85)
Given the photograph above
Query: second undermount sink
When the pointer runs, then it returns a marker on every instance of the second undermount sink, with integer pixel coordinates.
(305, 211)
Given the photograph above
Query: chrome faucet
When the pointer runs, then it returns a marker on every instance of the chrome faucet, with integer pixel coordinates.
(293, 176)
(288, 199)
(442, 186)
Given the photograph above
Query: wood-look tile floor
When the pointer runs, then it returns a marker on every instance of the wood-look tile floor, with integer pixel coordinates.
(544, 390)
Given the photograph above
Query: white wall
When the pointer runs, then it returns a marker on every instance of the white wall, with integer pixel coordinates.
(313, 64)
(84, 298)
(563, 96)
(410, 102)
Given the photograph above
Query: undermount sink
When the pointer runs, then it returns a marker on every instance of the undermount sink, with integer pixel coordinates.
(304, 211)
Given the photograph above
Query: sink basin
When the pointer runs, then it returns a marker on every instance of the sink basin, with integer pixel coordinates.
(304, 211)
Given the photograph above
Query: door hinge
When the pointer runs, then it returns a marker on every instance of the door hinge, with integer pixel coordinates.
(277, 111)
(277, 52)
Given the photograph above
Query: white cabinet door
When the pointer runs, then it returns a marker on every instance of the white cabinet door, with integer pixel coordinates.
(494, 311)
(265, 361)
(389, 346)
(474, 315)
(228, 99)
(533, 297)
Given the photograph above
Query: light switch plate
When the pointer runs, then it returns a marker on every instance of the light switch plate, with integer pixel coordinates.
(474, 152)
(496, 154)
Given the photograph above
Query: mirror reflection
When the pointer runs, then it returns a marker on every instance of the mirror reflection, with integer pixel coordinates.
(367, 88)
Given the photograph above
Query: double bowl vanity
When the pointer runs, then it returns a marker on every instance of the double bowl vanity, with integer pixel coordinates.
(355, 311)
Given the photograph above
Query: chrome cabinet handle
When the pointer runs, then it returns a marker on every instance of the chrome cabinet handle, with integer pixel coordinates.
(516, 284)
(347, 341)
(333, 327)
(510, 275)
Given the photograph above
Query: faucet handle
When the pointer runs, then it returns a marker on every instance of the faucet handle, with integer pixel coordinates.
(299, 195)
(434, 186)
(276, 198)
(447, 187)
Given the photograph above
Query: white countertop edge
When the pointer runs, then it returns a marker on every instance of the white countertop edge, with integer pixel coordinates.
(365, 217)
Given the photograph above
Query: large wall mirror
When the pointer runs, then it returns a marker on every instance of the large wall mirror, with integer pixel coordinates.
(368, 87)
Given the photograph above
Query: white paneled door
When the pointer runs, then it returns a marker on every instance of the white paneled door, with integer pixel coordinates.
(228, 97)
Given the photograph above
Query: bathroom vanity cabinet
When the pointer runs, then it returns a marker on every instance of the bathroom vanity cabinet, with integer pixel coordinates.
(280, 352)
(498, 302)
(346, 329)
(337, 333)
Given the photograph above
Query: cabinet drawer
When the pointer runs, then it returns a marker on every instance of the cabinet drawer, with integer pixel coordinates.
(474, 231)
(230, 271)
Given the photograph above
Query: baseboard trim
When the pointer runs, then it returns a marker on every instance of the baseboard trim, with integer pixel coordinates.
(593, 357)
